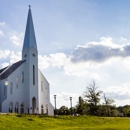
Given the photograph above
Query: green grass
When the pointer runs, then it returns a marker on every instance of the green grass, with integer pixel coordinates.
(30, 122)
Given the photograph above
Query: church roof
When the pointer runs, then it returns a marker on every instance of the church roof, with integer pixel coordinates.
(1, 70)
(10, 70)
(29, 39)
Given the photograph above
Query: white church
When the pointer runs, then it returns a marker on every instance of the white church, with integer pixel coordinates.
(23, 87)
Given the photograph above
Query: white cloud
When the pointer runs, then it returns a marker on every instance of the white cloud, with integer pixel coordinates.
(2, 24)
(119, 92)
(58, 59)
(124, 39)
(16, 39)
(62, 61)
(53, 60)
(1, 33)
(14, 57)
(43, 62)
(126, 63)
(100, 51)
(77, 69)
(63, 98)
(4, 53)
(95, 76)
(5, 64)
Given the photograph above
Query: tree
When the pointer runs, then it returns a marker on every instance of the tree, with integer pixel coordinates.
(114, 112)
(63, 111)
(107, 103)
(126, 110)
(92, 96)
(81, 107)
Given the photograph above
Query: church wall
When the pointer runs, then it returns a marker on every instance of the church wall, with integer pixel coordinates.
(31, 87)
(17, 95)
(34, 88)
(51, 109)
(3, 91)
(44, 97)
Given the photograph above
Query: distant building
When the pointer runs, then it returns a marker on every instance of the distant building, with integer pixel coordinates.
(23, 87)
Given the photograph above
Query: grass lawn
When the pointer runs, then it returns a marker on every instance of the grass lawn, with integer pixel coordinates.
(30, 122)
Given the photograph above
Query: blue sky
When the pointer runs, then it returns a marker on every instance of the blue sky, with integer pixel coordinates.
(77, 41)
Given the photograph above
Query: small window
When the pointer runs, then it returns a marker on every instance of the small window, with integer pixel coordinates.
(33, 55)
(33, 74)
(22, 77)
(47, 109)
(42, 86)
(22, 108)
(42, 109)
(11, 88)
(16, 107)
(11, 107)
(17, 80)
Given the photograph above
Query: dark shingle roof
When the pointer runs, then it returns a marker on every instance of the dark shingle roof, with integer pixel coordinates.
(1, 70)
(11, 69)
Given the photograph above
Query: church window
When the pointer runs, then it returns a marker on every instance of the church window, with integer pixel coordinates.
(4, 89)
(33, 55)
(33, 105)
(47, 109)
(16, 107)
(22, 76)
(47, 94)
(11, 107)
(22, 108)
(17, 80)
(42, 86)
(11, 88)
(42, 109)
(33, 74)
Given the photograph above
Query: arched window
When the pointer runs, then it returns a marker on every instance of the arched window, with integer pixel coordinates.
(16, 107)
(47, 93)
(42, 109)
(33, 105)
(11, 88)
(33, 74)
(11, 107)
(42, 86)
(22, 77)
(47, 109)
(22, 108)
(17, 81)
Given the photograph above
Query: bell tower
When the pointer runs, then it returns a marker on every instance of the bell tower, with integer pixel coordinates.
(30, 54)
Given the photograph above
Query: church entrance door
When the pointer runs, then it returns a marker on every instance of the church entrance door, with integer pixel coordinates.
(33, 105)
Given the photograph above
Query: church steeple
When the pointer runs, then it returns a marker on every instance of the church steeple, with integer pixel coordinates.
(30, 68)
(29, 39)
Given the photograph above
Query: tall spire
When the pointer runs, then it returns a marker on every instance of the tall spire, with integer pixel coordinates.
(29, 38)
